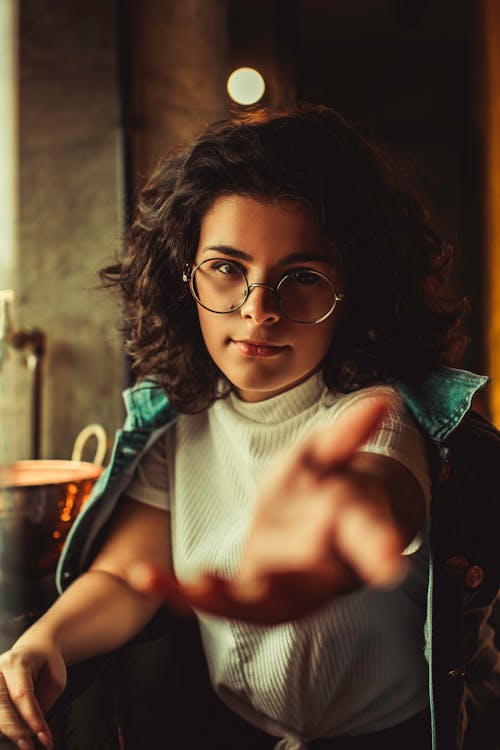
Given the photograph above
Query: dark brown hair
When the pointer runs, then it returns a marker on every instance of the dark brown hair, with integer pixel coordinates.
(395, 322)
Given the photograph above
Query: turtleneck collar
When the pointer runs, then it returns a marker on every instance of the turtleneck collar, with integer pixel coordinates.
(279, 408)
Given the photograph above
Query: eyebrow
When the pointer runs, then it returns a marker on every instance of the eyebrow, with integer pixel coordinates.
(299, 257)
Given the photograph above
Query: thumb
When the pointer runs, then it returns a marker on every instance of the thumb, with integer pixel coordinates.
(50, 683)
(335, 444)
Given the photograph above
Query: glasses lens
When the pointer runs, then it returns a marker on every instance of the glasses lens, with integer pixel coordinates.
(219, 285)
(306, 296)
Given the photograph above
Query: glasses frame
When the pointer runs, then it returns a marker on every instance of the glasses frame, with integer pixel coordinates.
(190, 271)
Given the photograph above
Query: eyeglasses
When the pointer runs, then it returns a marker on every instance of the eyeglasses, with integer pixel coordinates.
(302, 295)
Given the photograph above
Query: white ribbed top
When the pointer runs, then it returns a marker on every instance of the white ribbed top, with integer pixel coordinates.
(356, 665)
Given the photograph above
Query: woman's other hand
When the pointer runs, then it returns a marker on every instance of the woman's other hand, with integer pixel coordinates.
(32, 677)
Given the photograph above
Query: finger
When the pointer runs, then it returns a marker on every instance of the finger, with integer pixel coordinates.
(299, 589)
(209, 593)
(21, 689)
(20, 715)
(50, 684)
(334, 445)
(272, 599)
(156, 583)
(223, 598)
(371, 543)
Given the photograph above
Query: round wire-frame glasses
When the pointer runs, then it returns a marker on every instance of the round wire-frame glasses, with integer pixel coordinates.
(221, 286)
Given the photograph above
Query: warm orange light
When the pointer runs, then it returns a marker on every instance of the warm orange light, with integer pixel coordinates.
(491, 78)
(65, 512)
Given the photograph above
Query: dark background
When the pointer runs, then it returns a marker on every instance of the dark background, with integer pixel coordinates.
(406, 72)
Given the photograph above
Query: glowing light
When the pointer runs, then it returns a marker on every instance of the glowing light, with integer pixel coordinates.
(246, 86)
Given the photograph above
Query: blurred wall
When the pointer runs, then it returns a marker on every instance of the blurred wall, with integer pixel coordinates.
(105, 88)
(8, 209)
(8, 142)
(70, 214)
(175, 75)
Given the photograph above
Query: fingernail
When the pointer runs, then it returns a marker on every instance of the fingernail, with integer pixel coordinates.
(45, 739)
(24, 744)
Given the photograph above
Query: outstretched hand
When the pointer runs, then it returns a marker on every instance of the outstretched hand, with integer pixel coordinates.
(323, 525)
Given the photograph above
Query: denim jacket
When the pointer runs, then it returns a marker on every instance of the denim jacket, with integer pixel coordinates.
(464, 573)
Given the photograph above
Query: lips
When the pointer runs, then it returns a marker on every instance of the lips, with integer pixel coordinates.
(258, 348)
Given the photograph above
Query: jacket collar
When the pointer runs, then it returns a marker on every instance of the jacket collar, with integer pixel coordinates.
(147, 406)
(440, 400)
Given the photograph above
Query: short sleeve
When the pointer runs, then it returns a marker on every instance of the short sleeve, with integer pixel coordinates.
(150, 481)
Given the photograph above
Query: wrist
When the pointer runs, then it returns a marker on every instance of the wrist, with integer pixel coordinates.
(38, 636)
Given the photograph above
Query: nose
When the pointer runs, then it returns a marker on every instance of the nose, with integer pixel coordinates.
(260, 305)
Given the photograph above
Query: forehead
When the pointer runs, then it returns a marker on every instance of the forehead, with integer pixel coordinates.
(260, 226)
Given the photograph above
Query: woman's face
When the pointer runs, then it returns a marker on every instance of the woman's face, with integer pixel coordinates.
(261, 352)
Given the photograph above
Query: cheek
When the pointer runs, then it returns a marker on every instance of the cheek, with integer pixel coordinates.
(315, 342)
(210, 329)
(203, 326)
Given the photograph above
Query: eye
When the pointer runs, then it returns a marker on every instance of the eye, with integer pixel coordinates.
(226, 268)
(305, 277)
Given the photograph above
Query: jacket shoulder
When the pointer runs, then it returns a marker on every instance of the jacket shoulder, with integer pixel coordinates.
(440, 400)
(147, 406)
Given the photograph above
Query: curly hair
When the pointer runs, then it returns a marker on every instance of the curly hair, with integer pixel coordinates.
(395, 322)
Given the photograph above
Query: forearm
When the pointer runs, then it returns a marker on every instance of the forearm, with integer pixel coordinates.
(98, 613)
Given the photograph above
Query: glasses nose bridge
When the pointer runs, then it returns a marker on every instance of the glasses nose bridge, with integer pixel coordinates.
(263, 308)
(258, 283)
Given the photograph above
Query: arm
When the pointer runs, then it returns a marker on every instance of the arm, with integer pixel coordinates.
(98, 613)
(328, 519)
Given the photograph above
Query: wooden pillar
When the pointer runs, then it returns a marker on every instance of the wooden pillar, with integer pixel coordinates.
(489, 72)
